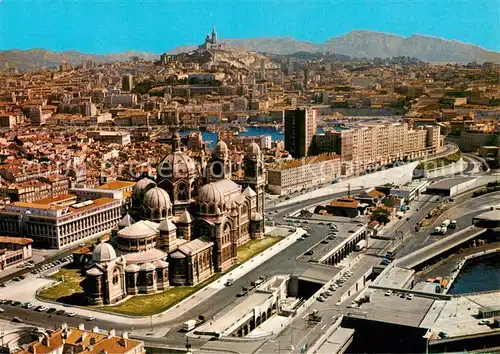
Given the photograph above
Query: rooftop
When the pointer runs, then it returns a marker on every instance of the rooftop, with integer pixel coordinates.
(449, 183)
(116, 185)
(16, 240)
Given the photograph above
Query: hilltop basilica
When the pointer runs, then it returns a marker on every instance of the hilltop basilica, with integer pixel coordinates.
(183, 227)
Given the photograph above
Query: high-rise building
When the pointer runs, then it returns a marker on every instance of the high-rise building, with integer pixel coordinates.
(300, 127)
(127, 82)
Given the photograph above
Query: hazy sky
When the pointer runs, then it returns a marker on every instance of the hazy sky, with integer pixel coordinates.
(106, 26)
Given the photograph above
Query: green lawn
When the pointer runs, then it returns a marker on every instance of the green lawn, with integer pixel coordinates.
(253, 247)
(147, 305)
(70, 285)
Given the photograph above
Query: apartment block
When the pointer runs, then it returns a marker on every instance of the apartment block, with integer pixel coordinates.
(303, 173)
(370, 146)
(300, 127)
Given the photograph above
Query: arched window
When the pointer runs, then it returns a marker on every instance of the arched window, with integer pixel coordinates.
(116, 277)
(182, 192)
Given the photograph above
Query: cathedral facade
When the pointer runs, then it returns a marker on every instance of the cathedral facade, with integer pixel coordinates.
(183, 227)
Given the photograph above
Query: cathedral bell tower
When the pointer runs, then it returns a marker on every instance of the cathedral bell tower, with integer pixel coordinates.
(220, 166)
(254, 174)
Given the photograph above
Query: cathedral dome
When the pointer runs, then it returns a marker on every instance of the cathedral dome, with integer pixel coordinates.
(142, 186)
(157, 199)
(104, 252)
(221, 149)
(210, 194)
(175, 166)
(252, 149)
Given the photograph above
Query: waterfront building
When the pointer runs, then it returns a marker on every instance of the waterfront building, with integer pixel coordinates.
(300, 127)
(303, 173)
(60, 221)
(371, 146)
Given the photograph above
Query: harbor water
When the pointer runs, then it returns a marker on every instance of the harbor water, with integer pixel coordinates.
(478, 274)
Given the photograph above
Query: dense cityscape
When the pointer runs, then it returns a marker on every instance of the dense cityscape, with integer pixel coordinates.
(231, 201)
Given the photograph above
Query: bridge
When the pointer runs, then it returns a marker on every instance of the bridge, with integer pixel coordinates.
(434, 249)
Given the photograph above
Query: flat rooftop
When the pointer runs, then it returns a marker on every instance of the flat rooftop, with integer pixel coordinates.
(337, 340)
(395, 277)
(394, 309)
(493, 215)
(450, 183)
(458, 316)
(226, 320)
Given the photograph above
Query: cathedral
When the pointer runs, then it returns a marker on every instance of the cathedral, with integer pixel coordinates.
(210, 41)
(182, 228)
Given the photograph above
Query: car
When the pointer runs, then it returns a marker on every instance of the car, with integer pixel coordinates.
(324, 242)
(300, 239)
(229, 282)
(403, 295)
(305, 235)
(321, 299)
(90, 318)
(71, 314)
(309, 253)
(330, 238)
(28, 305)
(22, 277)
(329, 293)
(241, 293)
(52, 309)
(60, 312)
(484, 322)
(321, 223)
(338, 303)
(305, 222)
(388, 293)
(17, 279)
(4, 301)
(17, 319)
(2, 310)
(409, 297)
(16, 303)
(2, 285)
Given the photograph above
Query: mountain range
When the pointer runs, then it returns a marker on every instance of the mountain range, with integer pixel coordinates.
(358, 43)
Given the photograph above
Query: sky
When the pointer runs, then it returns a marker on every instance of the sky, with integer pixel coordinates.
(110, 26)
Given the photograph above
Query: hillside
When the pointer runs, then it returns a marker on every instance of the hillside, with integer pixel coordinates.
(368, 44)
(36, 58)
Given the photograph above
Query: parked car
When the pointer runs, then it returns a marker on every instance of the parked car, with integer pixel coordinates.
(321, 299)
(17, 319)
(409, 297)
(71, 314)
(90, 318)
(52, 309)
(309, 253)
(28, 305)
(388, 293)
(60, 312)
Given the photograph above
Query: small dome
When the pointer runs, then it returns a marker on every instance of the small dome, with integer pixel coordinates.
(249, 192)
(157, 198)
(93, 272)
(126, 221)
(167, 226)
(104, 252)
(142, 186)
(210, 194)
(177, 255)
(221, 149)
(147, 267)
(185, 218)
(253, 149)
(161, 264)
(132, 268)
(256, 217)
